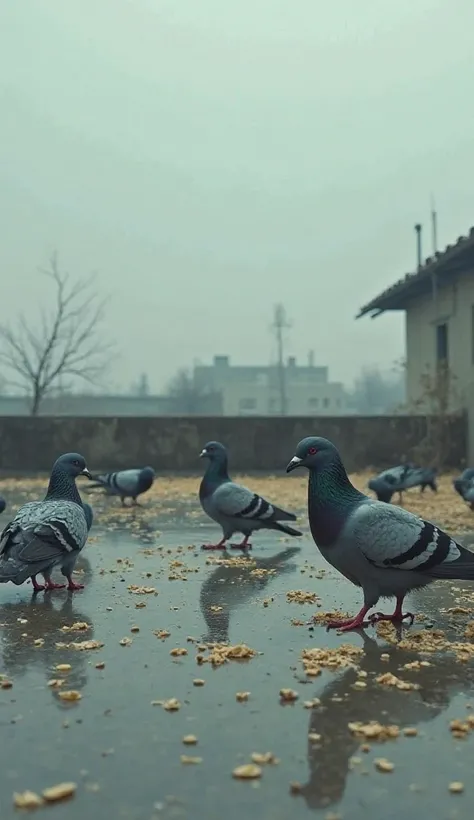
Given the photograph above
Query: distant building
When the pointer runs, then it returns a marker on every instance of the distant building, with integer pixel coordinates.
(255, 390)
(438, 301)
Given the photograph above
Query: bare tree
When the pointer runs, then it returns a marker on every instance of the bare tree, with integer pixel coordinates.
(64, 342)
(184, 392)
(377, 393)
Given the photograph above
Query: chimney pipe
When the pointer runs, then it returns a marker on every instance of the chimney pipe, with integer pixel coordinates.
(418, 229)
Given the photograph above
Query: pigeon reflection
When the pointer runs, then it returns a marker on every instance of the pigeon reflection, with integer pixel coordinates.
(45, 615)
(329, 758)
(232, 586)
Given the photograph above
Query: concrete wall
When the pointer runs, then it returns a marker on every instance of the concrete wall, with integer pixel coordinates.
(173, 444)
(454, 306)
(107, 405)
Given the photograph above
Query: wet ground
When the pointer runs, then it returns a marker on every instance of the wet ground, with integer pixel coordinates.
(124, 749)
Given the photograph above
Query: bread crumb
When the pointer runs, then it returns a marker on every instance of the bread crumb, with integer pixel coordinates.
(27, 800)
(263, 758)
(456, 787)
(383, 765)
(288, 695)
(70, 694)
(60, 792)
(249, 771)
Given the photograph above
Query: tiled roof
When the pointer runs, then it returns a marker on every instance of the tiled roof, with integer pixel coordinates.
(454, 259)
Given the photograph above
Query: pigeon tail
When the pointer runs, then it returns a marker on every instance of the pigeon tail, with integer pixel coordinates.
(462, 569)
(14, 571)
(284, 528)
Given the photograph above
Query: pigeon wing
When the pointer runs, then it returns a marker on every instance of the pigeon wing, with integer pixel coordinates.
(393, 538)
(236, 501)
(126, 481)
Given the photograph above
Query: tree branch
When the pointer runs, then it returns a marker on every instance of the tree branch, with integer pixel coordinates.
(66, 342)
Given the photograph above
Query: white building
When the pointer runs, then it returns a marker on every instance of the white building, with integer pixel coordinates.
(258, 390)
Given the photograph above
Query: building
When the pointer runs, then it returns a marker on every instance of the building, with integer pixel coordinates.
(438, 301)
(260, 390)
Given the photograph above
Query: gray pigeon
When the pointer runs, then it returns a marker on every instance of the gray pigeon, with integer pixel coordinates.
(383, 549)
(3, 503)
(464, 485)
(233, 506)
(48, 533)
(400, 478)
(89, 514)
(126, 483)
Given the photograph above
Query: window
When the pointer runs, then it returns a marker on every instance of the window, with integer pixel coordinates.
(442, 350)
(325, 402)
(247, 404)
(313, 403)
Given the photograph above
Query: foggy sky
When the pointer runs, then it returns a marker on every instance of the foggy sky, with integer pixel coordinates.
(210, 158)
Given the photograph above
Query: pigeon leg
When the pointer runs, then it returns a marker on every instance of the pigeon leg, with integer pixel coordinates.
(219, 546)
(50, 584)
(72, 586)
(397, 617)
(244, 545)
(37, 587)
(353, 623)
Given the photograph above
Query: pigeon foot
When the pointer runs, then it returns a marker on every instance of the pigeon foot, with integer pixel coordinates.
(357, 622)
(72, 586)
(346, 626)
(51, 585)
(219, 546)
(37, 587)
(396, 617)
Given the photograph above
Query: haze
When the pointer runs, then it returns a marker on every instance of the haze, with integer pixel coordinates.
(210, 158)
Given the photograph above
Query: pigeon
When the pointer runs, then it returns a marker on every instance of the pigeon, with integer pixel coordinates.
(126, 483)
(385, 550)
(400, 478)
(233, 506)
(3, 503)
(89, 514)
(464, 485)
(48, 533)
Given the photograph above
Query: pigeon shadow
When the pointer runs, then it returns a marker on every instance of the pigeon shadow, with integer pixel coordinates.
(331, 750)
(30, 631)
(230, 587)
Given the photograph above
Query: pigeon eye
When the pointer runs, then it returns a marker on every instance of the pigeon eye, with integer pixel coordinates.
(312, 451)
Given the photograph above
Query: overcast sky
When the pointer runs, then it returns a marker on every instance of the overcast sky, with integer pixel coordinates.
(211, 157)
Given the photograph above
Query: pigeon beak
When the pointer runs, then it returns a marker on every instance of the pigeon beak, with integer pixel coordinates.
(203, 454)
(86, 473)
(294, 463)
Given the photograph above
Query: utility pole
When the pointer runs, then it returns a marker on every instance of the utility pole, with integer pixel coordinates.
(280, 324)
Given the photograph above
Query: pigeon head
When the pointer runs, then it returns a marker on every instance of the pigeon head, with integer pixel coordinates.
(315, 453)
(62, 482)
(148, 472)
(71, 464)
(214, 451)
